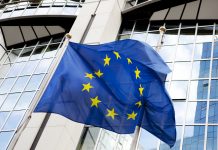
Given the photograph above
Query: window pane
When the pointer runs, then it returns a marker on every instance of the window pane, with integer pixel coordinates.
(139, 36)
(213, 112)
(201, 69)
(38, 52)
(198, 90)
(181, 71)
(2, 98)
(167, 53)
(43, 66)
(147, 141)
(214, 89)
(212, 138)
(215, 68)
(187, 36)
(196, 112)
(3, 117)
(193, 138)
(170, 37)
(20, 84)
(14, 120)
(202, 51)
(204, 34)
(7, 85)
(178, 89)
(164, 146)
(180, 108)
(16, 68)
(29, 67)
(10, 101)
(34, 82)
(4, 70)
(215, 51)
(51, 51)
(25, 100)
(5, 138)
(153, 38)
(184, 52)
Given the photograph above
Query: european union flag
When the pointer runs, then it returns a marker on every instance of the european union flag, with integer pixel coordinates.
(116, 86)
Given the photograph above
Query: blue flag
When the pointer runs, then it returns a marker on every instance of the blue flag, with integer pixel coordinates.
(116, 86)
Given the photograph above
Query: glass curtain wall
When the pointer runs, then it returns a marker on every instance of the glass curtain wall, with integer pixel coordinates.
(22, 71)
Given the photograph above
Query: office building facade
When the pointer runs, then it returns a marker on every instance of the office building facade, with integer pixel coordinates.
(184, 33)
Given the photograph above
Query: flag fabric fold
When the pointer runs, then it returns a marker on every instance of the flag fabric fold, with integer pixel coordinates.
(116, 86)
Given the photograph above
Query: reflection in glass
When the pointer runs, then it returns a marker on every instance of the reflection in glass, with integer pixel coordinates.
(167, 53)
(3, 117)
(201, 69)
(215, 68)
(184, 52)
(181, 71)
(193, 138)
(213, 112)
(179, 108)
(153, 38)
(34, 82)
(178, 89)
(147, 141)
(51, 51)
(4, 70)
(14, 120)
(170, 37)
(10, 101)
(164, 146)
(38, 52)
(16, 68)
(20, 84)
(212, 138)
(29, 67)
(7, 85)
(5, 138)
(43, 66)
(187, 36)
(202, 50)
(214, 89)
(2, 98)
(198, 90)
(196, 112)
(25, 100)
(215, 51)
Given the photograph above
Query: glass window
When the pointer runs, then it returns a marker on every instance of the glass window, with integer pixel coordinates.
(153, 38)
(214, 89)
(16, 68)
(43, 66)
(196, 112)
(181, 71)
(187, 36)
(213, 112)
(202, 51)
(38, 52)
(178, 89)
(51, 50)
(141, 26)
(10, 101)
(215, 68)
(184, 52)
(29, 67)
(7, 85)
(4, 70)
(20, 84)
(200, 69)
(198, 90)
(14, 120)
(194, 138)
(3, 117)
(180, 108)
(170, 37)
(122, 37)
(147, 141)
(164, 146)
(167, 53)
(25, 100)
(212, 138)
(34, 82)
(215, 51)
(127, 27)
(139, 36)
(204, 34)
(2, 98)
(5, 138)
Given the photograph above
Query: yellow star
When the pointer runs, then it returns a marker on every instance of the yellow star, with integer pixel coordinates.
(129, 60)
(132, 116)
(137, 72)
(117, 55)
(141, 89)
(107, 61)
(87, 87)
(95, 101)
(89, 75)
(99, 73)
(139, 103)
(111, 113)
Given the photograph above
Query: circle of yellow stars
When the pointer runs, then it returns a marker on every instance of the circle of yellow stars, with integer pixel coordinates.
(95, 100)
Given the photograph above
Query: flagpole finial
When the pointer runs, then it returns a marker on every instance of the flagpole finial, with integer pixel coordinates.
(68, 35)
